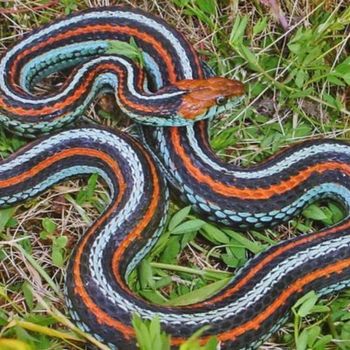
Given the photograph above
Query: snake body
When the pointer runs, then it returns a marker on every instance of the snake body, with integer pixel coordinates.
(257, 301)
(83, 41)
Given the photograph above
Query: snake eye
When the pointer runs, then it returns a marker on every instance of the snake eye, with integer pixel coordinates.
(221, 100)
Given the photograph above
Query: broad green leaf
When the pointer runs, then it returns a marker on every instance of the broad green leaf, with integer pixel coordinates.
(179, 217)
(146, 275)
(245, 242)
(207, 6)
(238, 29)
(200, 294)
(188, 226)
(3, 318)
(343, 67)
(57, 256)
(48, 225)
(214, 234)
(230, 260)
(309, 295)
(44, 235)
(163, 282)
(142, 336)
(5, 216)
(313, 333)
(334, 80)
(161, 244)
(61, 241)
(171, 251)
(250, 57)
(86, 194)
(69, 6)
(212, 344)
(181, 3)
(187, 237)
(300, 78)
(152, 296)
(91, 185)
(193, 342)
(314, 212)
(126, 49)
(235, 256)
(333, 101)
(346, 78)
(26, 245)
(260, 25)
(149, 334)
(42, 320)
(322, 342)
(301, 93)
(307, 305)
(319, 309)
(28, 294)
(301, 342)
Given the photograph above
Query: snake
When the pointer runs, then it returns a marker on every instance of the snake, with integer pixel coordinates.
(172, 98)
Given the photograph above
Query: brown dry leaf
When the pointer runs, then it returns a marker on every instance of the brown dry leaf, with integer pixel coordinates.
(266, 106)
(277, 12)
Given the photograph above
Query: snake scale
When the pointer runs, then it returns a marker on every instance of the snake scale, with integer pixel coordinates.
(173, 115)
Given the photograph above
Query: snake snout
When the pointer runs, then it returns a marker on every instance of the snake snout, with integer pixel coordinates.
(236, 88)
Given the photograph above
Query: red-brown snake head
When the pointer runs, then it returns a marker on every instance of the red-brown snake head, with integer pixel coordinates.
(207, 97)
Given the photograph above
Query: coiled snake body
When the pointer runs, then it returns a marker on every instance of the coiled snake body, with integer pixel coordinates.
(258, 299)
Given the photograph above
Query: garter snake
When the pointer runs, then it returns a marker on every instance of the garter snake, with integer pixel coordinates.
(257, 301)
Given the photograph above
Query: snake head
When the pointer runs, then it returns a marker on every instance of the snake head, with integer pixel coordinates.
(206, 97)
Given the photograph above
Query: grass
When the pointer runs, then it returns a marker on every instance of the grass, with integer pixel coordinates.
(294, 62)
